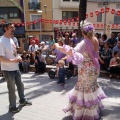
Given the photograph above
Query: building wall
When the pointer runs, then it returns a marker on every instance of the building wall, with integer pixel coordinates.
(92, 6)
(47, 13)
(7, 3)
(59, 6)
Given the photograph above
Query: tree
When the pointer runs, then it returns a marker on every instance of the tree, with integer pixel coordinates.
(82, 14)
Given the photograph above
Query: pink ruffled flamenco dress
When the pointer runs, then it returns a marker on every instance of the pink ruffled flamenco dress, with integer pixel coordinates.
(85, 98)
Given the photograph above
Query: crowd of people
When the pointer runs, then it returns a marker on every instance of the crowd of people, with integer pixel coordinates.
(38, 51)
(109, 52)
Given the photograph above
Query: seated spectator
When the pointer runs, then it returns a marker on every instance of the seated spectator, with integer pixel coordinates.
(44, 48)
(35, 39)
(118, 37)
(115, 65)
(25, 61)
(74, 38)
(102, 42)
(72, 44)
(105, 57)
(32, 48)
(40, 63)
(116, 48)
(52, 41)
(46, 42)
(67, 39)
(112, 41)
(39, 46)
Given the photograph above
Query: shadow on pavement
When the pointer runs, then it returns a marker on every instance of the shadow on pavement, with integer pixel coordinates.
(44, 85)
(2, 80)
(7, 116)
(111, 112)
(67, 118)
(71, 118)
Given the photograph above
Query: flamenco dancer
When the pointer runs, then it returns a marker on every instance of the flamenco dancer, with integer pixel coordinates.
(85, 98)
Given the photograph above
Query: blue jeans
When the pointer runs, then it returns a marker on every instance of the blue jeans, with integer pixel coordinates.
(25, 66)
(12, 78)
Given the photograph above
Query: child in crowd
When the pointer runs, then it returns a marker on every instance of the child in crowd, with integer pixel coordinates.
(115, 65)
(61, 73)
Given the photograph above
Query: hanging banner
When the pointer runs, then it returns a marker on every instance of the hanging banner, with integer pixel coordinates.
(108, 29)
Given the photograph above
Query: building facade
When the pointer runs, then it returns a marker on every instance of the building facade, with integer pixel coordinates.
(68, 9)
(11, 13)
(36, 13)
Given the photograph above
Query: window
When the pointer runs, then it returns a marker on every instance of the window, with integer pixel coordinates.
(8, 12)
(34, 18)
(4, 16)
(118, 6)
(13, 12)
(69, 14)
(35, 1)
(99, 17)
(34, 4)
(116, 19)
(66, 0)
(100, 5)
(75, 0)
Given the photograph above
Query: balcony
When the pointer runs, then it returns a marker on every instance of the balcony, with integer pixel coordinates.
(69, 4)
(34, 6)
(104, 1)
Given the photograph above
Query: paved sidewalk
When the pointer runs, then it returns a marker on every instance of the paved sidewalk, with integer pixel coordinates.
(48, 99)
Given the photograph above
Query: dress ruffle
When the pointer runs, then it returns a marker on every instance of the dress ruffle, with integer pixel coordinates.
(77, 57)
(86, 113)
(87, 99)
(85, 106)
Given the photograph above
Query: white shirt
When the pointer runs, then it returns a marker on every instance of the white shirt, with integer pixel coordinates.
(33, 48)
(15, 41)
(8, 50)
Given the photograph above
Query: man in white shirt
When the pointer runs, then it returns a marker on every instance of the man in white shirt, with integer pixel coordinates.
(31, 50)
(16, 41)
(33, 47)
(9, 65)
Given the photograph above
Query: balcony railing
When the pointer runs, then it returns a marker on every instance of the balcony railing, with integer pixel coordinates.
(103, 0)
(34, 5)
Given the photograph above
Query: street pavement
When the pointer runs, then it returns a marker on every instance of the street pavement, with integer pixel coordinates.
(48, 99)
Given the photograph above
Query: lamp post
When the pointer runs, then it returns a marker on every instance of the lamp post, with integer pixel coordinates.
(105, 3)
(82, 15)
(40, 11)
(45, 7)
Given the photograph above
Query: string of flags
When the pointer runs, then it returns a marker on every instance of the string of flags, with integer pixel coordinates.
(73, 21)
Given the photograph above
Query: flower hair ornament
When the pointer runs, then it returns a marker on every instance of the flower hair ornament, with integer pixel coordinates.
(87, 26)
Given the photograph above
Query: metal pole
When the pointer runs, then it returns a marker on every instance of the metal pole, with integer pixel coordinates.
(40, 32)
(105, 21)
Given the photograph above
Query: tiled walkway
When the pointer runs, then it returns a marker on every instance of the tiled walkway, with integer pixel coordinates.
(48, 99)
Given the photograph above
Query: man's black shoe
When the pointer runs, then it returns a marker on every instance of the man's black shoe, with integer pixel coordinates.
(58, 82)
(14, 110)
(26, 103)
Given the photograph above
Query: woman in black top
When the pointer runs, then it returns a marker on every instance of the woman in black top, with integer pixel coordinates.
(25, 61)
